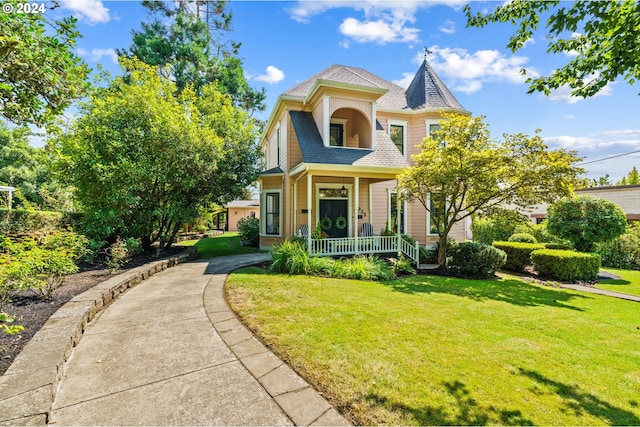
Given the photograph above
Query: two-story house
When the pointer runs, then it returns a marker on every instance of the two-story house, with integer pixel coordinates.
(332, 150)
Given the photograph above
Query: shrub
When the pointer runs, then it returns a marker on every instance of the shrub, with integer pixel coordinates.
(75, 244)
(362, 267)
(522, 238)
(563, 246)
(120, 252)
(518, 254)
(289, 257)
(320, 266)
(497, 226)
(586, 221)
(566, 265)
(475, 260)
(249, 229)
(614, 254)
(428, 255)
(539, 231)
(401, 266)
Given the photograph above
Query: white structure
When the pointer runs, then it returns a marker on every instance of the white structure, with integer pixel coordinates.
(9, 191)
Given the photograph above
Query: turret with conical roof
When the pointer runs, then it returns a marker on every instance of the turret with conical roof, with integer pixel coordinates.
(428, 91)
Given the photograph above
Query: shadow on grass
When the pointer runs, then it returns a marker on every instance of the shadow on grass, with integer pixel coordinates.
(621, 282)
(510, 291)
(466, 410)
(581, 402)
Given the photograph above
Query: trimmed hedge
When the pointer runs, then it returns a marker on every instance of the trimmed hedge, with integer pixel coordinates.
(518, 253)
(566, 265)
(18, 221)
(522, 238)
(475, 260)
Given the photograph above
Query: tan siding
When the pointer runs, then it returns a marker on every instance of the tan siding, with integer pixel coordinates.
(380, 198)
(417, 221)
(235, 214)
(318, 117)
(627, 198)
(335, 103)
(295, 155)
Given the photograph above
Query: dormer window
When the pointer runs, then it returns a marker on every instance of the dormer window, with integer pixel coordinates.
(337, 132)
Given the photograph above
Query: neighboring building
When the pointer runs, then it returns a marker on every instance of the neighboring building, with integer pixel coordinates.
(332, 149)
(625, 196)
(239, 209)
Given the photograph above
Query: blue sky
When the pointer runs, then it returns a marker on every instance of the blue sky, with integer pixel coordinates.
(285, 42)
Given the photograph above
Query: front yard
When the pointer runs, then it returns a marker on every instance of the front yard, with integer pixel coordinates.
(629, 282)
(441, 351)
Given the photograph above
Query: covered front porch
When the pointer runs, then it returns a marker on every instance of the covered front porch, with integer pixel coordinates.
(340, 211)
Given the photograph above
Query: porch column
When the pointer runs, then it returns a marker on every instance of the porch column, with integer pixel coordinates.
(356, 208)
(295, 208)
(398, 213)
(309, 225)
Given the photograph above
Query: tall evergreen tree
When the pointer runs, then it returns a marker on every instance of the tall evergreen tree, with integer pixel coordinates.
(188, 41)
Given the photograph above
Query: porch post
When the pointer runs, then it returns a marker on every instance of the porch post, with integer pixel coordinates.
(356, 208)
(309, 225)
(295, 208)
(398, 213)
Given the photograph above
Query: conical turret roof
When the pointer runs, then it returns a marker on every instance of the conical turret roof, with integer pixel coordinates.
(428, 91)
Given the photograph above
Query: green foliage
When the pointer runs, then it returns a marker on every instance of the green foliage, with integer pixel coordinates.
(18, 221)
(249, 229)
(6, 325)
(522, 238)
(26, 265)
(632, 178)
(567, 266)
(40, 75)
(289, 257)
(320, 266)
(428, 256)
(499, 224)
(600, 37)
(518, 254)
(473, 173)
(401, 266)
(144, 161)
(192, 51)
(121, 251)
(362, 267)
(623, 252)
(585, 221)
(539, 232)
(475, 260)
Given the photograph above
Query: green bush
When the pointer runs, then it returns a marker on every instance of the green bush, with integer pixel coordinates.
(497, 226)
(290, 258)
(475, 260)
(401, 266)
(75, 244)
(362, 267)
(518, 254)
(623, 252)
(121, 251)
(522, 238)
(249, 229)
(567, 266)
(320, 266)
(20, 221)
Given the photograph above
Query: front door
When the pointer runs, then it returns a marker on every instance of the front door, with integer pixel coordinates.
(333, 217)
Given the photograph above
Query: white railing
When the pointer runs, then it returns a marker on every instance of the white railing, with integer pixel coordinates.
(363, 245)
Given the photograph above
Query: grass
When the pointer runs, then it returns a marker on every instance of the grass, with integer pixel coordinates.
(225, 244)
(629, 282)
(441, 351)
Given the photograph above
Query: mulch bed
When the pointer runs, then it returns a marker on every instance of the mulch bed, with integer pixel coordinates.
(32, 312)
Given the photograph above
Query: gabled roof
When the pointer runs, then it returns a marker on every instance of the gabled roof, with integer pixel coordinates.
(313, 150)
(428, 91)
(393, 98)
(243, 204)
(273, 171)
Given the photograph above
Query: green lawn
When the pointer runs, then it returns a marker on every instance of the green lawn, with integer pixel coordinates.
(442, 351)
(629, 282)
(226, 244)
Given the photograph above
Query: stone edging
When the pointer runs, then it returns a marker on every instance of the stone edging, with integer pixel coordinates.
(28, 387)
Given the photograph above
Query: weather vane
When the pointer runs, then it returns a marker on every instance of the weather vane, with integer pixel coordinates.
(427, 53)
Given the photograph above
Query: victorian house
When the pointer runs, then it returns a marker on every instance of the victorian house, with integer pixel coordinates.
(332, 150)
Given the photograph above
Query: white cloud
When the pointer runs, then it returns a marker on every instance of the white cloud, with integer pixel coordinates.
(405, 81)
(448, 27)
(570, 117)
(573, 142)
(563, 94)
(467, 72)
(91, 10)
(96, 55)
(272, 76)
(379, 31)
(613, 141)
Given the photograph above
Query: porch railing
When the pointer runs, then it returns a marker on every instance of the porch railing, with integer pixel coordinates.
(364, 245)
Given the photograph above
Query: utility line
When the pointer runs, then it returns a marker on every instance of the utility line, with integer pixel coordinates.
(607, 158)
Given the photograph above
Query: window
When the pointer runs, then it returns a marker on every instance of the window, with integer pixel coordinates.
(272, 213)
(398, 134)
(393, 213)
(437, 208)
(433, 127)
(336, 135)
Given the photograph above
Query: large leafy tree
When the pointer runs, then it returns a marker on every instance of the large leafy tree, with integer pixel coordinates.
(187, 40)
(631, 178)
(585, 221)
(460, 171)
(144, 160)
(601, 37)
(39, 73)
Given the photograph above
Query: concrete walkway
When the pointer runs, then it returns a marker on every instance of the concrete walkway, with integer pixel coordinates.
(593, 290)
(170, 352)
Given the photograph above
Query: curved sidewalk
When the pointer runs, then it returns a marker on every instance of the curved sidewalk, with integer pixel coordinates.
(170, 352)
